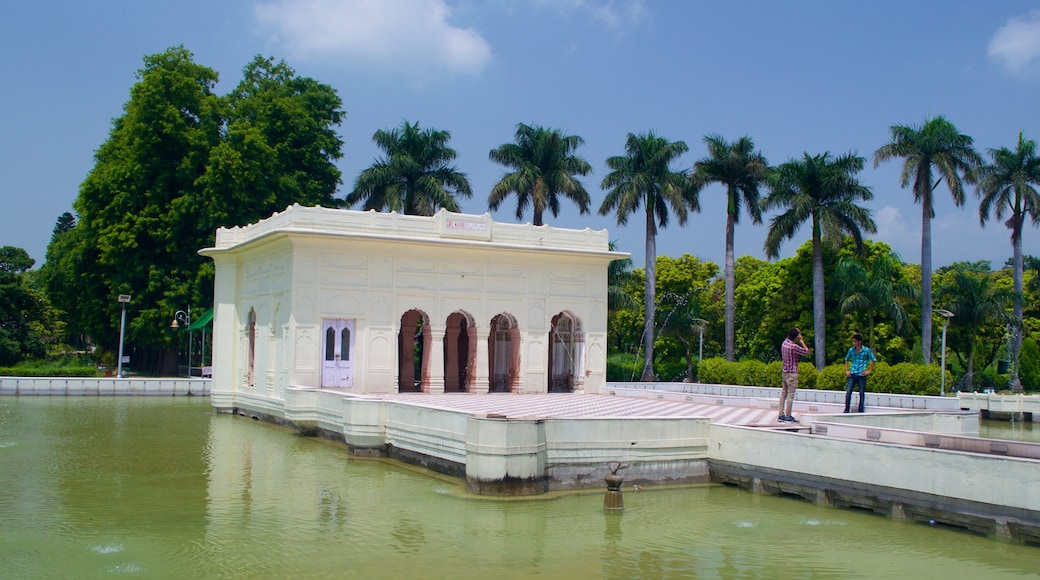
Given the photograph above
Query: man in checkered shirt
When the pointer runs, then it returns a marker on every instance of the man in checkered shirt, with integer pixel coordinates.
(792, 348)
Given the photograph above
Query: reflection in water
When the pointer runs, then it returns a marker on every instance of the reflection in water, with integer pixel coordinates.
(162, 487)
(1011, 430)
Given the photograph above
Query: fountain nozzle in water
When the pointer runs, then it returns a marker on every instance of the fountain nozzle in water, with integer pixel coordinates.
(612, 500)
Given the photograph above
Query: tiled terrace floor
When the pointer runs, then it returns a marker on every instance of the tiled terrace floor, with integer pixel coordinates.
(569, 406)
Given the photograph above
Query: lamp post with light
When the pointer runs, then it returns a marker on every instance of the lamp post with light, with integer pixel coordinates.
(947, 315)
(123, 299)
(184, 317)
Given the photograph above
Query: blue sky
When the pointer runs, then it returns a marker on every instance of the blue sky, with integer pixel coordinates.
(799, 76)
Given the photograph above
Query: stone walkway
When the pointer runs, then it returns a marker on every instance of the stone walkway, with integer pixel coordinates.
(569, 406)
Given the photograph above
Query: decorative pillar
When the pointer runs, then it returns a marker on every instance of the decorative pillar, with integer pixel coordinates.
(433, 369)
(481, 382)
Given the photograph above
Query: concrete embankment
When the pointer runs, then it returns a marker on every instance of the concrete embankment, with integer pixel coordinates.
(62, 386)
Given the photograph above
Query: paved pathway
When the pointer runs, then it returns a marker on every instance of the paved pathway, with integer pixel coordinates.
(568, 406)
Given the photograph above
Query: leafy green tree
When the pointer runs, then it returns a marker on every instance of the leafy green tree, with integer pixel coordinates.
(58, 279)
(544, 170)
(1008, 185)
(975, 301)
(20, 308)
(767, 304)
(414, 176)
(740, 169)
(682, 285)
(280, 147)
(874, 290)
(138, 205)
(179, 163)
(935, 146)
(823, 190)
(644, 177)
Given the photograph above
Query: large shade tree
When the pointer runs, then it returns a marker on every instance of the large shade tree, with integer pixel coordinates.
(544, 169)
(644, 177)
(932, 153)
(822, 190)
(739, 168)
(180, 162)
(415, 175)
(1007, 186)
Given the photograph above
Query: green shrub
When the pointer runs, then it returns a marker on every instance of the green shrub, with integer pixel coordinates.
(624, 367)
(903, 378)
(751, 372)
(774, 375)
(718, 371)
(670, 371)
(34, 371)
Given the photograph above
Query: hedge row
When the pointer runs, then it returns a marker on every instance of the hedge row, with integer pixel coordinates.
(903, 378)
(22, 371)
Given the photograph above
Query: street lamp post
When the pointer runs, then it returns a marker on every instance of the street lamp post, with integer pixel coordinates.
(947, 315)
(183, 317)
(700, 322)
(123, 299)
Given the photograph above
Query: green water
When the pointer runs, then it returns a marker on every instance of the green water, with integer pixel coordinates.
(163, 488)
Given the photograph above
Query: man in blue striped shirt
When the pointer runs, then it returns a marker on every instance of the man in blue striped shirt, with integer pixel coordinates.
(859, 363)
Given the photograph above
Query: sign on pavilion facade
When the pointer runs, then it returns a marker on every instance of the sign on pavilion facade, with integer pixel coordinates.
(370, 302)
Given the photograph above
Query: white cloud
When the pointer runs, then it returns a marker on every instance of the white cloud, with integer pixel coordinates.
(903, 237)
(1016, 45)
(410, 36)
(614, 15)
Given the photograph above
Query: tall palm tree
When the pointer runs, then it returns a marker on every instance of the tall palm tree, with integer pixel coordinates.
(823, 190)
(414, 176)
(1007, 185)
(544, 169)
(935, 146)
(975, 300)
(741, 169)
(875, 290)
(643, 176)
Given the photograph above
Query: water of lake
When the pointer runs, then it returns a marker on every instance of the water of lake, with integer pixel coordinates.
(101, 487)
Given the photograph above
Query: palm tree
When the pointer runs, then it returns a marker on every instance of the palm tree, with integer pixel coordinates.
(544, 167)
(414, 176)
(975, 301)
(643, 176)
(934, 146)
(874, 290)
(822, 189)
(740, 169)
(1008, 185)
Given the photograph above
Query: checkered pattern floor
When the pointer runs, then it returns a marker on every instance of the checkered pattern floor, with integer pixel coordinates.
(569, 406)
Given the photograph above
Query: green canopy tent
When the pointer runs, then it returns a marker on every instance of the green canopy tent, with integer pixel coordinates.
(201, 323)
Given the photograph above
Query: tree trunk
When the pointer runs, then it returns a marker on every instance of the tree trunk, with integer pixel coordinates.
(731, 310)
(926, 282)
(819, 307)
(1016, 336)
(649, 295)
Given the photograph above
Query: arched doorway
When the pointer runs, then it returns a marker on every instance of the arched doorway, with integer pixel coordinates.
(503, 354)
(566, 353)
(460, 352)
(413, 353)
